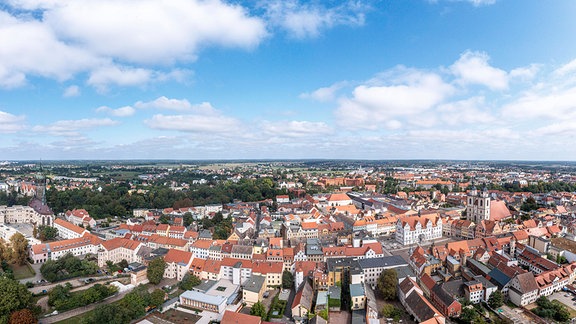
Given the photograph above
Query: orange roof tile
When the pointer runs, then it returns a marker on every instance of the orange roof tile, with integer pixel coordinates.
(70, 226)
(177, 256)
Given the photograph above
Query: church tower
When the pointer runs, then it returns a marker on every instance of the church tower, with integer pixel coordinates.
(41, 187)
(478, 205)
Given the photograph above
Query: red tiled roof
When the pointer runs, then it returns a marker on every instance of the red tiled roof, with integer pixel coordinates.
(239, 318)
(118, 242)
(69, 225)
(177, 256)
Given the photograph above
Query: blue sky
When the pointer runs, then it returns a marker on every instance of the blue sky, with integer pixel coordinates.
(291, 79)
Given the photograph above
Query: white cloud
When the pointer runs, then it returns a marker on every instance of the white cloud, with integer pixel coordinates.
(372, 105)
(525, 73)
(196, 123)
(303, 20)
(124, 76)
(549, 103)
(296, 129)
(61, 39)
(150, 31)
(165, 103)
(567, 68)
(73, 127)
(473, 68)
(557, 129)
(476, 3)
(31, 47)
(71, 91)
(324, 94)
(10, 123)
(119, 112)
(467, 111)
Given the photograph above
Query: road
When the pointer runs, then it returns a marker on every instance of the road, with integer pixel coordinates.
(75, 282)
(84, 309)
(79, 310)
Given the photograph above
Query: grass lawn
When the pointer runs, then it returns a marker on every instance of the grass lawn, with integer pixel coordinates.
(76, 319)
(570, 309)
(22, 272)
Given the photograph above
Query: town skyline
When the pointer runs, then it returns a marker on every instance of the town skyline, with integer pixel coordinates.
(287, 80)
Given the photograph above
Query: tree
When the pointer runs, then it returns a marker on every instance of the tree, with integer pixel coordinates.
(19, 248)
(157, 298)
(388, 284)
(5, 251)
(109, 314)
(496, 299)
(15, 296)
(47, 233)
(123, 264)
(389, 311)
(155, 270)
(189, 281)
(287, 279)
(258, 309)
(469, 315)
(134, 305)
(23, 316)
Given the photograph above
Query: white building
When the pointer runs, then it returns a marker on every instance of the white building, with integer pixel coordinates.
(40, 253)
(417, 229)
(67, 230)
(177, 264)
(118, 249)
(26, 214)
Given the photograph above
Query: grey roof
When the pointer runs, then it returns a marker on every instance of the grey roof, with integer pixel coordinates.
(443, 295)
(454, 287)
(205, 286)
(358, 316)
(242, 249)
(202, 297)
(480, 266)
(385, 262)
(335, 292)
(404, 272)
(322, 298)
(341, 262)
(357, 290)
(485, 282)
(370, 298)
(205, 234)
(254, 283)
(499, 278)
(422, 310)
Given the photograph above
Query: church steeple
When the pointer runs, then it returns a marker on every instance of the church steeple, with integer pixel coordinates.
(41, 186)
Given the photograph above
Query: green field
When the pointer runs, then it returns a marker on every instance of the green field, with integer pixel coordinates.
(22, 272)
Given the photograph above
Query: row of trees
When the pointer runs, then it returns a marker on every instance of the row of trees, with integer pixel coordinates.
(115, 199)
(61, 297)
(131, 307)
(551, 309)
(66, 267)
